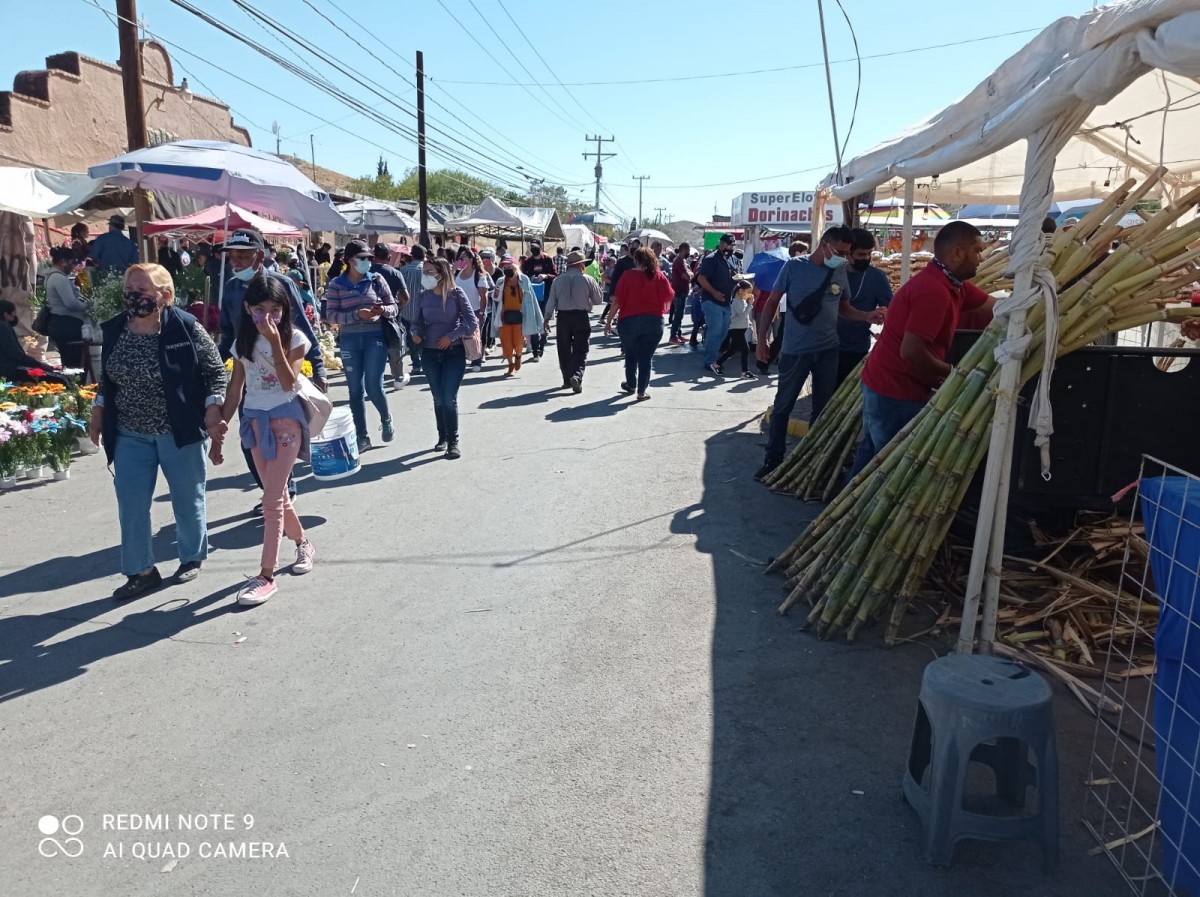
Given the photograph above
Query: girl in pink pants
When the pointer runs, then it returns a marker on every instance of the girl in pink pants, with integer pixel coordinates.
(273, 426)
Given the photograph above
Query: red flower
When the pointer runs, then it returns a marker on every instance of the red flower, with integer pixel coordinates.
(28, 416)
(36, 372)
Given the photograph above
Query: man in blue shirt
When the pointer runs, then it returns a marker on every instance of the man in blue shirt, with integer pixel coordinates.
(869, 290)
(113, 252)
(244, 253)
(715, 278)
(818, 293)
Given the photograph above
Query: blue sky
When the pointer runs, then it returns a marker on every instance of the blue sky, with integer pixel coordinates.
(765, 129)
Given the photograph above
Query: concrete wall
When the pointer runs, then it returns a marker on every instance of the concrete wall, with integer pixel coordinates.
(71, 114)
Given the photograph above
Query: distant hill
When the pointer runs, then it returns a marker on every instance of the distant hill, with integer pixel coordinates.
(681, 231)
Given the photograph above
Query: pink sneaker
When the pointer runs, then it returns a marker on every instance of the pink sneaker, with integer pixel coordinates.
(305, 553)
(256, 591)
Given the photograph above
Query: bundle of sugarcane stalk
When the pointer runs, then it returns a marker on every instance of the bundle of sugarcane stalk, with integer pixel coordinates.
(868, 551)
(815, 467)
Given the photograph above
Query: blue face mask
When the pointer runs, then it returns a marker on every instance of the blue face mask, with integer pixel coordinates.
(363, 266)
(246, 274)
(835, 262)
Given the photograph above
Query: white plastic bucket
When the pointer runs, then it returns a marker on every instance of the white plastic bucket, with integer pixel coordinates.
(335, 449)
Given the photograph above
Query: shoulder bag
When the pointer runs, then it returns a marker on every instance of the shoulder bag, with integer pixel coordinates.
(472, 344)
(807, 308)
(317, 406)
(41, 322)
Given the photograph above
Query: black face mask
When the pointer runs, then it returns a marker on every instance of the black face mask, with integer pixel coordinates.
(860, 264)
(139, 305)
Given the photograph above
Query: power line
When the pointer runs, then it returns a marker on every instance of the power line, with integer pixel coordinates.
(786, 68)
(765, 177)
(433, 100)
(331, 89)
(501, 65)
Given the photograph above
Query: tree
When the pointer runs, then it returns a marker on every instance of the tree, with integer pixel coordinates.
(454, 187)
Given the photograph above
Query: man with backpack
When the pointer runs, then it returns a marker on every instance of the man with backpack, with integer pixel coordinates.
(818, 293)
(394, 332)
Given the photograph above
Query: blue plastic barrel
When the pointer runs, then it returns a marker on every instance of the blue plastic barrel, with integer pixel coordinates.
(1171, 510)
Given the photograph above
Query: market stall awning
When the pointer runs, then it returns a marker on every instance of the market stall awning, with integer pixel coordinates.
(375, 216)
(974, 150)
(212, 220)
(493, 218)
(44, 193)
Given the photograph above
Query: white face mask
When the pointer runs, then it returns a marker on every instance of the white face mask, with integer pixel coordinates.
(428, 281)
(363, 266)
(245, 274)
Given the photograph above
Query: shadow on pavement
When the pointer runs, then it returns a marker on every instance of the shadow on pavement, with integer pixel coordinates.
(809, 738)
(27, 664)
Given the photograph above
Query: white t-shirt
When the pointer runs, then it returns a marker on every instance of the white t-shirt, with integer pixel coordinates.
(263, 391)
(466, 282)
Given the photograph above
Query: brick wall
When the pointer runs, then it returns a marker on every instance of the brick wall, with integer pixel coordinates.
(71, 114)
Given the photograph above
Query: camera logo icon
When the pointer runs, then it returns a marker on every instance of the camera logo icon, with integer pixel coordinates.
(50, 846)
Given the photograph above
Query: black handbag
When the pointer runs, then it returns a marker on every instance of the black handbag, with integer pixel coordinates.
(512, 316)
(807, 308)
(41, 323)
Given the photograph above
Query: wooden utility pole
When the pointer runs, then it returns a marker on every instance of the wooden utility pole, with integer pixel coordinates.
(600, 157)
(422, 186)
(135, 107)
(641, 178)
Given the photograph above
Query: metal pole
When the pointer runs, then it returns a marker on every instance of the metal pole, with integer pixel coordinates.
(312, 148)
(422, 186)
(135, 106)
(906, 229)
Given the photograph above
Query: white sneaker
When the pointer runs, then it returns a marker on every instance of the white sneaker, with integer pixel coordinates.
(305, 553)
(403, 381)
(256, 591)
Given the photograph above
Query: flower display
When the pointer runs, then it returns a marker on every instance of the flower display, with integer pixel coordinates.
(42, 422)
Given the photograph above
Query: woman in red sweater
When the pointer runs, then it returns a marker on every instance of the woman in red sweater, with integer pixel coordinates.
(643, 296)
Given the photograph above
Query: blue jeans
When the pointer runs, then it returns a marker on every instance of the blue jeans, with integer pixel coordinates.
(364, 357)
(136, 461)
(883, 418)
(640, 336)
(793, 373)
(716, 319)
(444, 369)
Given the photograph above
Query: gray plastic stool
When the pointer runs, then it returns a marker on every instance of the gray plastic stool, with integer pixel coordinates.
(978, 708)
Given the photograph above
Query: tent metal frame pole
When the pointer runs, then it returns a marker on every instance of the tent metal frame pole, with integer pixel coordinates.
(906, 231)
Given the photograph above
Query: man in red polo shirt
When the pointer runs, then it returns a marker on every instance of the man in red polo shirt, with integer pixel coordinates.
(908, 362)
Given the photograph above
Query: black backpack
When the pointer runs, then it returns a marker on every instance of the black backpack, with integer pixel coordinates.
(807, 308)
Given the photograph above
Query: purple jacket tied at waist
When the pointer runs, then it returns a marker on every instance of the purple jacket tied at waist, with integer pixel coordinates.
(290, 410)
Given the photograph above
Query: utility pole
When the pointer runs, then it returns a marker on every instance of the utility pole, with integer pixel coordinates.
(600, 157)
(422, 186)
(312, 149)
(640, 178)
(275, 131)
(135, 106)
(658, 217)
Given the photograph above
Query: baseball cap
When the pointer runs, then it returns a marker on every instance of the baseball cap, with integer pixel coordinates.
(487, 253)
(353, 249)
(118, 220)
(727, 238)
(243, 239)
(507, 259)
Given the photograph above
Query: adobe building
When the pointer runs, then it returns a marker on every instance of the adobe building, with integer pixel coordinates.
(71, 114)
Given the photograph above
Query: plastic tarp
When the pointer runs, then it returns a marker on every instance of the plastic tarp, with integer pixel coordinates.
(489, 213)
(976, 147)
(578, 235)
(212, 220)
(226, 172)
(44, 193)
(376, 216)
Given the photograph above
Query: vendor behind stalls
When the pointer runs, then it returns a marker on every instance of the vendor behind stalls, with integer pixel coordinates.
(908, 361)
(869, 290)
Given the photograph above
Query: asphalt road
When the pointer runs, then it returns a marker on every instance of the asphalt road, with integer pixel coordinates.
(552, 667)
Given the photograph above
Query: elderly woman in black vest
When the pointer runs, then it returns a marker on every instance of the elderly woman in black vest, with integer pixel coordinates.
(159, 403)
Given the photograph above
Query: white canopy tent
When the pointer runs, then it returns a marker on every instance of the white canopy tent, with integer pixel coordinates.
(43, 193)
(1127, 69)
(493, 218)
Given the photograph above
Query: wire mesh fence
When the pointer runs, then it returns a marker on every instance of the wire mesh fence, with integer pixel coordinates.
(1143, 800)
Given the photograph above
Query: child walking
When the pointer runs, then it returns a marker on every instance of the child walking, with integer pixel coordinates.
(743, 298)
(273, 424)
